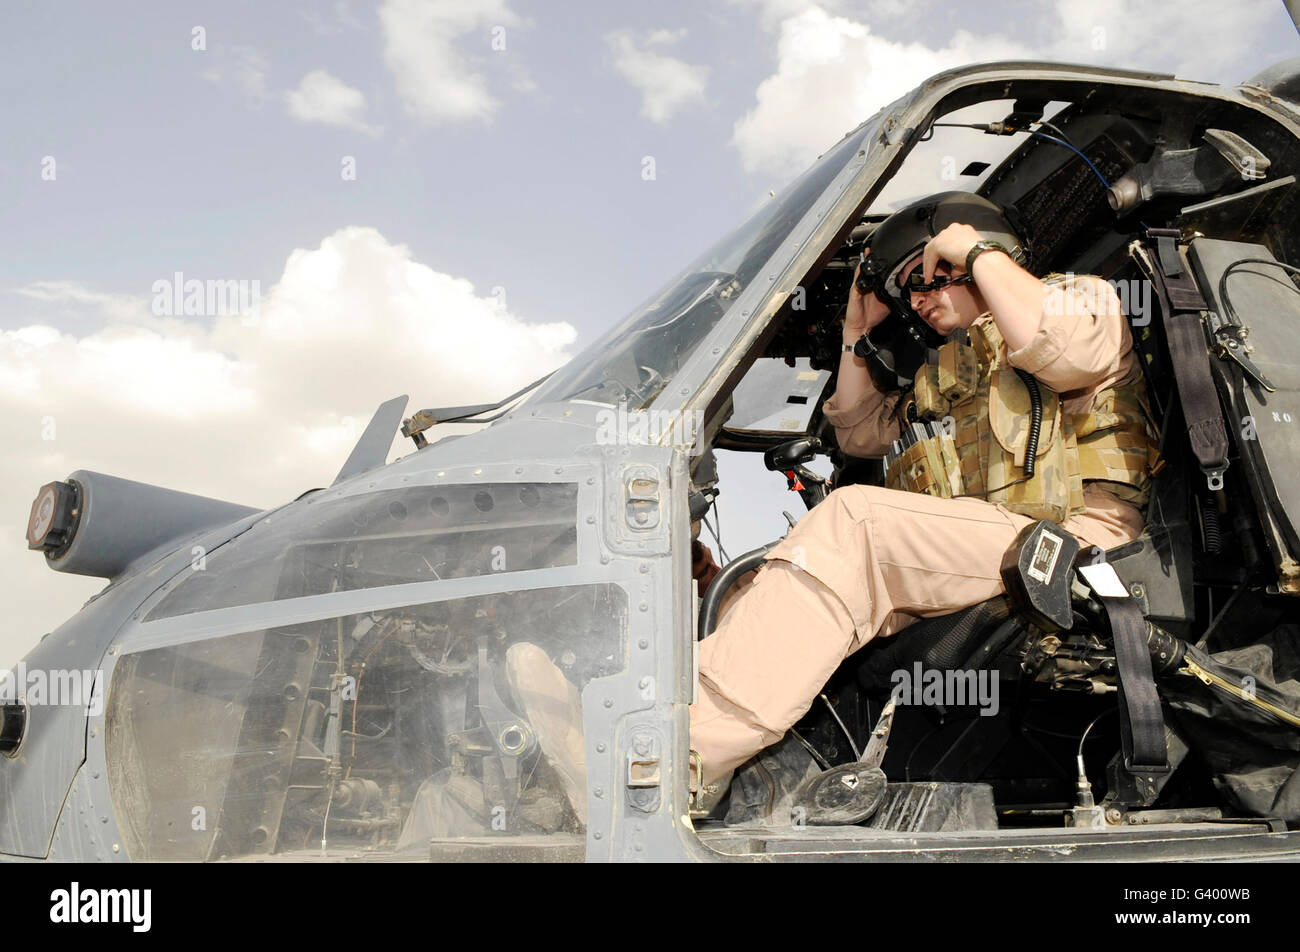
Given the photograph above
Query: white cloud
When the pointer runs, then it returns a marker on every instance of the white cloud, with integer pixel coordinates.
(70, 294)
(1196, 39)
(435, 48)
(665, 82)
(831, 74)
(832, 71)
(321, 97)
(772, 13)
(254, 413)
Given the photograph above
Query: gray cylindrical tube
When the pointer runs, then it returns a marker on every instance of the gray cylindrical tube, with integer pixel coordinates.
(1124, 195)
(122, 520)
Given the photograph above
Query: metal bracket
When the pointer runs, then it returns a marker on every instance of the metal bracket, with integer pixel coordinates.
(500, 740)
(644, 774)
(1230, 344)
(874, 754)
(641, 498)
(413, 427)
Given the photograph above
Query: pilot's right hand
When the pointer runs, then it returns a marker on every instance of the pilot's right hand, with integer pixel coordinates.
(864, 311)
(703, 569)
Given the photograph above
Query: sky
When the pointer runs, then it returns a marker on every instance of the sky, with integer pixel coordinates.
(445, 198)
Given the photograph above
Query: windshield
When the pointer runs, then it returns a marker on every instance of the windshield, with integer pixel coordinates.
(635, 360)
(444, 730)
(393, 537)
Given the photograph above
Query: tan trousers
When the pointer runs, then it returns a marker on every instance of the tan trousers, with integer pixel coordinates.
(865, 562)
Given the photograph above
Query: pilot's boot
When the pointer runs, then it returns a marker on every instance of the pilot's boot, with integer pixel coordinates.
(552, 705)
(764, 788)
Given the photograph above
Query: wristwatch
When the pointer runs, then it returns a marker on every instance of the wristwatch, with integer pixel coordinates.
(981, 246)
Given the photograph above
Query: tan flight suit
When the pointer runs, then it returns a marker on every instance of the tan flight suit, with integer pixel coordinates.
(868, 561)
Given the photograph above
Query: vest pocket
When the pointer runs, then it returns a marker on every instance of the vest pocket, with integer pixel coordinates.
(1047, 494)
(1010, 413)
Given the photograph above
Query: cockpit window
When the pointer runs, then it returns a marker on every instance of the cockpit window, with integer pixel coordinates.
(416, 534)
(633, 362)
(952, 155)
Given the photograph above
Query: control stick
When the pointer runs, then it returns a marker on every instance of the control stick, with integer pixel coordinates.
(789, 458)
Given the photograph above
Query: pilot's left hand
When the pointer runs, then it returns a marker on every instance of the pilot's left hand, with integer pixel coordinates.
(952, 244)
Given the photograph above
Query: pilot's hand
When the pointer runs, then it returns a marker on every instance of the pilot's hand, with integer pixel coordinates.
(703, 568)
(864, 311)
(952, 245)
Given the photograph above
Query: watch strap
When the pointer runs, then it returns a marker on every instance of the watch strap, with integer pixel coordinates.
(981, 246)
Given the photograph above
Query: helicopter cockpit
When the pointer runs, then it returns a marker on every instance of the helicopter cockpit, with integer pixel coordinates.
(1154, 200)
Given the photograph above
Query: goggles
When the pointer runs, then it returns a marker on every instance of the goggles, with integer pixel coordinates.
(915, 283)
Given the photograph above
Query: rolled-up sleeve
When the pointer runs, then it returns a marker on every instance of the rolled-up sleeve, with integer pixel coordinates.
(1082, 337)
(866, 426)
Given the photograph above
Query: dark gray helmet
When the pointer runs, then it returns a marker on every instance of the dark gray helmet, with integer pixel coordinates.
(902, 235)
(895, 348)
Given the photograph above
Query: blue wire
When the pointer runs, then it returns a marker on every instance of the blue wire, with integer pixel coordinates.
(1044, 135)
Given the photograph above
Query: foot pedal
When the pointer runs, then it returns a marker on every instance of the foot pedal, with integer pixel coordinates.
(841, 796)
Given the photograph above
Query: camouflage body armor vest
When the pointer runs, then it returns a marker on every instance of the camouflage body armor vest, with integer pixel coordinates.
(966, 425)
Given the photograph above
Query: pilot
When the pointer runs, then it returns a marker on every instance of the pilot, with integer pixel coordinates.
(870, 560)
